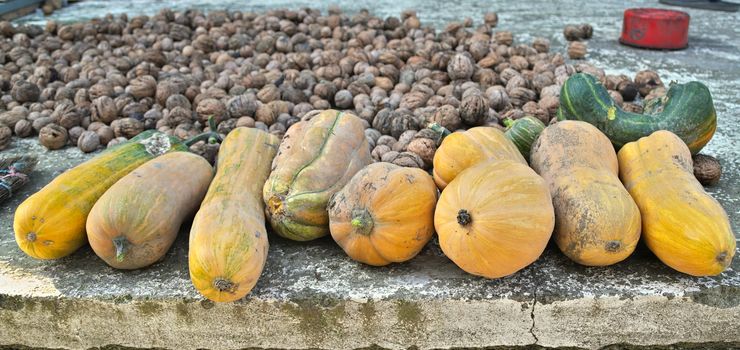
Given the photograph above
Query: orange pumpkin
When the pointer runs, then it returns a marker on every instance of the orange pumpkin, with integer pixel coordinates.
(136, 220)
(461, 150)
(228, 239)
(384, 214)
(494, 218)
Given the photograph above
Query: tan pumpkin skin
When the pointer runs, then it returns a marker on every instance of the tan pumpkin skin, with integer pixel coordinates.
(315, 160)
(682, 224)
(136, 220)
(228, 239)
(597, 222)
(385, 214)
(461, 150)
(494, 218)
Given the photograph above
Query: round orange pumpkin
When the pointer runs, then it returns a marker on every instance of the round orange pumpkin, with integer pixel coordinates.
(495, 218)
(461, 150)
(384, 214)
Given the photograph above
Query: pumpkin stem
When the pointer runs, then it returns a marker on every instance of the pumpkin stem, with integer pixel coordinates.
(223, 285)
(439, 129)
(211, 136)
(722, 259)
(121, 244)
(508, 122)
(362, 221)
(464, 218)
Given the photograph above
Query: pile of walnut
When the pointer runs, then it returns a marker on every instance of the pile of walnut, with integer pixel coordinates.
(94, 84)
(574, 34)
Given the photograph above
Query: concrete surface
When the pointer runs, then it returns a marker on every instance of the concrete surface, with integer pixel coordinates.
(312, 296)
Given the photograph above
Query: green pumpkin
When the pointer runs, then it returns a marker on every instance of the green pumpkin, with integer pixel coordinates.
(687, 110)
(522, 132)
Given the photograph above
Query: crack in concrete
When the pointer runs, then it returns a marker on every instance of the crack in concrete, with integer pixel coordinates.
(531, 329)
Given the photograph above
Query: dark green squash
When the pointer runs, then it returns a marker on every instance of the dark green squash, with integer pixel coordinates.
(522, 132)
(687, 110)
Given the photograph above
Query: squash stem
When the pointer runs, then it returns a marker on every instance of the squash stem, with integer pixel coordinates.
(362, 221)
(121, 244)
(464, 218)
(223, 285)
(508, 122)
(439, 129)
(210, 136)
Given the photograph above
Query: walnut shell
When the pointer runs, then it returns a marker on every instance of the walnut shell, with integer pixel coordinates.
(245, 122)
(5, 136)
(498, 98)
(105, 134)
(127, 127)
(404, 140)
(408, 159)
(541, 44)
(401, 121)
(414, 100)
(549, 104)
(178, 115)
(266, 114)
(573, 33)
(24, 91)
(241, 106)
(211, 107)
(144, 86)
(490, 18)
(460, 67)
(533, 109)
(23, 128)
(104, 109)
(504, 38)
(448, 117)
(88, 142)
(473, 109)
(343, 99)
(178, 100)
(707, 169)
(425, 148)
(379, 151)
(632, 107)
(519, 96)
(617, 97)
(577, 50)
(646, 81)
(13, 116)
(53, 136)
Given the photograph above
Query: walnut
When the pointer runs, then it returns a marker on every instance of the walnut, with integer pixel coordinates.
(507, 74)
(41, 122)
(23, 128)
(404, 140)
(105, 134)
(69, 118)
(707, 169)
(498, 98)
(211, 107)
(473, 109)
(552, 91)
(53, 136)
(178, 100)
(504, 38)
(519, 96)
(517, 81)
(533, 109)
(414, 100)
(407, 159)
(88, 142)
(144, 86)
(573, 33)
(513, 114)
(13, 116)
(490, 18)
(104, 109)
(24, 91)
(268, 93)
(587, 30)
(266, 114)
(5, 136)
(549, 104)
(541, 44)
(167, 89)
(519, 63)
(247, 122)
(425, 149)
(343, 99)
(617, 97)
(541, 81)
(577, 50)
(460, 67)
(102, 88)
(372, 134)
(646, 81)
(127, 127)
(178, 115)
(448, 117)
(241, 106)
(378, 152)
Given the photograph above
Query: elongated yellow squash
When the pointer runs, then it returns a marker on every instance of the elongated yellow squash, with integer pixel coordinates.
(682, 224)
(228, 239)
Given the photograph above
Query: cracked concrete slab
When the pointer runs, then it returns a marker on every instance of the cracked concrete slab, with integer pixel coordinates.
(312, 296)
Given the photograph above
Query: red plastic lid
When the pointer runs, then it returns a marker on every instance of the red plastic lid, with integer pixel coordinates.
(655, 28)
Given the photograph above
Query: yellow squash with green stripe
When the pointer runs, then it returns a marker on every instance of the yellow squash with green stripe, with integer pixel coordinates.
(316, 159)
(682, 224)
(687, 110)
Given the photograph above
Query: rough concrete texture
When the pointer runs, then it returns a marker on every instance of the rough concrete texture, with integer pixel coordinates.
(312, 296)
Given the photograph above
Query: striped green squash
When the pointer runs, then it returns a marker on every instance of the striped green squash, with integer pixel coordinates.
(687, 110)
(522, 132)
